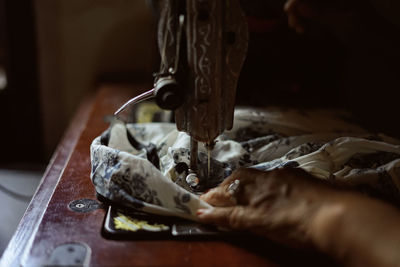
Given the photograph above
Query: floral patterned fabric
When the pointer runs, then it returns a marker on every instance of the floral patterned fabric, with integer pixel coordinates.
(144, 166)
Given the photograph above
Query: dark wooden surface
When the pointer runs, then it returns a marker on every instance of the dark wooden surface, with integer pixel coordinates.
(49, 222)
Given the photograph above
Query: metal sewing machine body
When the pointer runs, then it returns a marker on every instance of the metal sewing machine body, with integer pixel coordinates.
(203, 45)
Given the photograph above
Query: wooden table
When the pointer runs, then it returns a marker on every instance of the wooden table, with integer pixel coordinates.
(49, 222)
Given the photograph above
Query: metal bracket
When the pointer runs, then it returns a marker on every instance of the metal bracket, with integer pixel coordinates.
(84, 205)
(70, 254)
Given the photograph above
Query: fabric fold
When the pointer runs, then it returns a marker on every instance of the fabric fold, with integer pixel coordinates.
(144, 166)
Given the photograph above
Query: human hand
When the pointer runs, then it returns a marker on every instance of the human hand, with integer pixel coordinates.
(280, 204)
(293, 208)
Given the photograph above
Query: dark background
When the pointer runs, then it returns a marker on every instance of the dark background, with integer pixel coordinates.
(21, 129)
(355, 67)
(316, 69)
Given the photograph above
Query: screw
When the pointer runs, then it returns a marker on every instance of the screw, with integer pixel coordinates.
(80, 205)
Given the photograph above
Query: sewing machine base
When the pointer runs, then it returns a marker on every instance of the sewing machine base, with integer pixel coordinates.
(122, 224)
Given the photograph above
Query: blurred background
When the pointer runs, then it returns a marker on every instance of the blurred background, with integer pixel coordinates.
(53, 52)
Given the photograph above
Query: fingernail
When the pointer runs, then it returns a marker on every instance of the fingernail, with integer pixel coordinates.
(201, 212)
(205, 193)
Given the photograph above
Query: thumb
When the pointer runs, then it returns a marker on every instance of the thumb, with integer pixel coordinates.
(229, 217)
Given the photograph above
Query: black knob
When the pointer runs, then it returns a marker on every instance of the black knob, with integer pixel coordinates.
(169, 94)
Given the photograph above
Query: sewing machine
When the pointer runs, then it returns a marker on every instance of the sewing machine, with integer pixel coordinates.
(203, 45)
(65, 218)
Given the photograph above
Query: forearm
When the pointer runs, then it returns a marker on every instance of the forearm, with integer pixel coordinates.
(358, 231)
(294, 208)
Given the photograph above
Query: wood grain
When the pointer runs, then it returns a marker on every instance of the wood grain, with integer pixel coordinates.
(49, 222)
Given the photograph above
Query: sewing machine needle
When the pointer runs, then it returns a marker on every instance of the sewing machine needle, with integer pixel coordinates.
(193, 154)
(146, 95)
(209, 162)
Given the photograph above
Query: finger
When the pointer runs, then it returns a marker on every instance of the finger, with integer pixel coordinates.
(229, 217)
(244, 175)
(218, 197)
(240, 174)
(221, 197)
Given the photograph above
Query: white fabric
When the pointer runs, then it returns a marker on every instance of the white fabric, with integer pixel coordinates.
(319, 141)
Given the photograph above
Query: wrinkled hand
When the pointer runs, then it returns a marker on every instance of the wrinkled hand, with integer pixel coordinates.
(279, 204)
(296, 209)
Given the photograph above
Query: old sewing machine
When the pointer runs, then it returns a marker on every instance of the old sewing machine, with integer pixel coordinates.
(203, 46)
